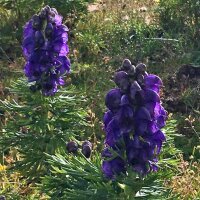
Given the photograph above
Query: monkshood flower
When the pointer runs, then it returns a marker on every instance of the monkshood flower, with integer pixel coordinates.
(45, 49)
(133, 122)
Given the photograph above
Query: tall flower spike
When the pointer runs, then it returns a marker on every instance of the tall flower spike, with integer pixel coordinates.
(134, 118)
(45, 49)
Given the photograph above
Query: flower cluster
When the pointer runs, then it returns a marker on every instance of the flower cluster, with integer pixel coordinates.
(45, 49)
(133, 122)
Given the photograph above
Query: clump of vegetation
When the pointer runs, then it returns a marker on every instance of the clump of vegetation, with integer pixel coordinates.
(60, 137)
(185, 185)
(119, 29)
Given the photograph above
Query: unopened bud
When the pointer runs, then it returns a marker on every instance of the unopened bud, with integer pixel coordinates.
(72, 147)
(86, 148)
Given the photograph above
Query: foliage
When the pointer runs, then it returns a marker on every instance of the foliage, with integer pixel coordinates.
(118, 30)
(189, 137)
(180, 18)
(185, 185)
(37, 124)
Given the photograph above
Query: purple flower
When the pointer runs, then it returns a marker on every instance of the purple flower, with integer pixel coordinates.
(45, 49)
(122, 80)
(153, 82)
(113, 165)
(113, 99)
(113, 133)
(133, 122)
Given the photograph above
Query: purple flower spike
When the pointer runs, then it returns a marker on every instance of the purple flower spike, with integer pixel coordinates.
(133, 122)
(45, 49)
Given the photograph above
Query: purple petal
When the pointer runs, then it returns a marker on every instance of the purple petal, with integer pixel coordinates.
(151, 96)
(125, 100)
(160, 121)
(112, 133)
(143, 114)
(113, 99)
(153, 82)
(107, 118)
(58, 20)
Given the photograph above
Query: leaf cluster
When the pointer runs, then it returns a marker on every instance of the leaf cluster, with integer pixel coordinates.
(36, 124)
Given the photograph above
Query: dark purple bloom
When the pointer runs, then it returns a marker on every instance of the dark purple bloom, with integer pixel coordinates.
(153, 82)
(124, 119)
(128, 67)
(113, 99)
(133, 122)
(122, 80)
(113, 133)
(45, 49)
(107, 118)
(112, 165)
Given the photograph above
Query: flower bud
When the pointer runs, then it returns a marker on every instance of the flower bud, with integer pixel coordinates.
(124, 100)
(126, 65)
(87, 143)
(122, 80)
(43, 14)
(135, 87)
(52, 15)
(47, 8)
(86, 149)
(141, 68)
(72, 147)
(131, 71)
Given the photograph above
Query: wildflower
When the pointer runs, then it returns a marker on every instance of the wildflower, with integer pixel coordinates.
(134, 118)
(45, 49)
(2, 167)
